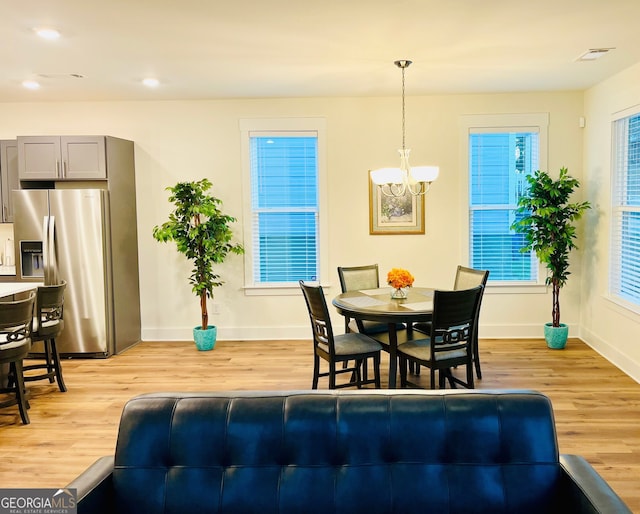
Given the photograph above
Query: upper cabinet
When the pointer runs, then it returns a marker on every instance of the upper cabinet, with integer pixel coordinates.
(9, 173)
(62, 157)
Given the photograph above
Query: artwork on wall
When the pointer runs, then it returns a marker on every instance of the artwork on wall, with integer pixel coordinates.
(395, 214)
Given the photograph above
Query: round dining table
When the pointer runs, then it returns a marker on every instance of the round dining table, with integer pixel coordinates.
(377, 305)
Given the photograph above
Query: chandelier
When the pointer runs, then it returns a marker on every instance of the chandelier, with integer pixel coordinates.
(397, 181)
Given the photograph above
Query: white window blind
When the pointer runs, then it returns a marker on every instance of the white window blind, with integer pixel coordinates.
(499, 161)
(625, 233)
(284, 207)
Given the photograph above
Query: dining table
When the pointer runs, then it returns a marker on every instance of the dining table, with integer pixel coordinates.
(378, 305)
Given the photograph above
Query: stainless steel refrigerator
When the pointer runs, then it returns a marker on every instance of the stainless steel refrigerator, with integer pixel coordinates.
(71, 234)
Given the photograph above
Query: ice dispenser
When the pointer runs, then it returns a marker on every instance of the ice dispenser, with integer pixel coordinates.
(31, 259)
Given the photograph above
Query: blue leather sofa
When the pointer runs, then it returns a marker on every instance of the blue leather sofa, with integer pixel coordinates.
(366, 451)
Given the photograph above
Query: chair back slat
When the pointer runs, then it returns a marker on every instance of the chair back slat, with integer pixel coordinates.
(319, 316)
(49, 310)
(466, 278)
(356, 278)
(16, 319)
(454, 314)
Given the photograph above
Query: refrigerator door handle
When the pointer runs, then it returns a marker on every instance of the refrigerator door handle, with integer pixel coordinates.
(49, 252)
(45, 247)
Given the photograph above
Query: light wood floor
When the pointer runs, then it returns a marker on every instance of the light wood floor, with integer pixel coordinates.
(597, 407)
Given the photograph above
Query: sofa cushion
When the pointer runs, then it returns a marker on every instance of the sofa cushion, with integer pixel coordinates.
(338, 451)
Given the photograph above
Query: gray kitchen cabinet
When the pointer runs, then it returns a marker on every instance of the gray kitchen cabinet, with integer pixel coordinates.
(9, 173)
(62, 157)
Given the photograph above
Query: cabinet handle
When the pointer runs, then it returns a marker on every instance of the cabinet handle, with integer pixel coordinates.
(64, 169)
(57, 168)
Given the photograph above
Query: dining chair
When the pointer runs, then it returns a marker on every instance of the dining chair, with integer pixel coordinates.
(358, 278)
(340, 348)
(450, 341)
(466, 278)
(48, 323)
(16, 320)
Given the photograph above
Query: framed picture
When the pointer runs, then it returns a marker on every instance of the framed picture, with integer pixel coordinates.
(394, 214)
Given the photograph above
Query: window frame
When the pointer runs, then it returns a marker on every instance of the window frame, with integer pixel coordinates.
(497, 123)
(275, 127)
(617, 183)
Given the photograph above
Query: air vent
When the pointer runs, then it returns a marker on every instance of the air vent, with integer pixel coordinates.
(594, 53)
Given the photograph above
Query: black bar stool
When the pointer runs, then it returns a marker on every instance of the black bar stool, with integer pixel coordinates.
(16, 319)
(48, 322)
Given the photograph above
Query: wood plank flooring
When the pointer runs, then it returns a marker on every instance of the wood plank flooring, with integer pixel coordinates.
(597, 407)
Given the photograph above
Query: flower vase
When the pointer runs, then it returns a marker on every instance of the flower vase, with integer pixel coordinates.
(399, 293)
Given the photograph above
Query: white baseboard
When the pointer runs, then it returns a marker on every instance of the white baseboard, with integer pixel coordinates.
(612, 354)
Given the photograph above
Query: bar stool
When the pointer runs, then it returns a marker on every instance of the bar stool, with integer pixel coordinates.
(48, 322)
(16, 319)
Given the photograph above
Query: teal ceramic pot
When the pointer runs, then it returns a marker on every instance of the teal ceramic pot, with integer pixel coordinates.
(205, 339)
(556, 337)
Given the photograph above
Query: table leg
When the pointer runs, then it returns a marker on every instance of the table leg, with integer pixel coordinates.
(393, 360)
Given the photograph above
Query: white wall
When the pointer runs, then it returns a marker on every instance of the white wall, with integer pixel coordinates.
(608, 327)
(190, 140)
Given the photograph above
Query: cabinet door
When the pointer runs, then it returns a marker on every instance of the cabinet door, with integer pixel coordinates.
(9, 169)
(83, 157)
(39, 157)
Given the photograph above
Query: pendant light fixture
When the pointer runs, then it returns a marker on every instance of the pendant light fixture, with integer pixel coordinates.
(397, 181)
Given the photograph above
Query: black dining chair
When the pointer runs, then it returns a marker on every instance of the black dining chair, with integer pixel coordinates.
(450, 341)
(466, 278)
(16, 319)
(359, 278)
(352, 346)
(48, 323)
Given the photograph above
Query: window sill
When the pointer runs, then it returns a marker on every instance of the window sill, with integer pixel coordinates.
(278, 290)
(516, 289)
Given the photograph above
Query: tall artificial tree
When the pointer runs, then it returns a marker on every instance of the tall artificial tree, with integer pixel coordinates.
(546, 218)
(202, 233)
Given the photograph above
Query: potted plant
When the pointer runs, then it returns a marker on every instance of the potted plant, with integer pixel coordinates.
(545, 216)
(202, 233)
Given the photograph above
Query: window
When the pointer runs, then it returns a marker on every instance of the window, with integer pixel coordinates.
(625, 233)
(500, 152)
(283, 182)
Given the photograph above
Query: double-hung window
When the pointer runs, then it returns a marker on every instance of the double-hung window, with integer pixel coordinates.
(283, 194)
(625, 234)
(501, 151)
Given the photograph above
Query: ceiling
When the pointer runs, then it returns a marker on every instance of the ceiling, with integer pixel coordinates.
(208, 49)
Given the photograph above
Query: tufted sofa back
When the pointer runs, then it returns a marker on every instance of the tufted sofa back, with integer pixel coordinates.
(338, 451)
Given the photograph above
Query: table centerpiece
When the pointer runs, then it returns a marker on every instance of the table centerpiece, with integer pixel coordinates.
(400, 279)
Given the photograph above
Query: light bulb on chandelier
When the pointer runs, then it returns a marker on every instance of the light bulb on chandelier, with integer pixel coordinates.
(397, 181)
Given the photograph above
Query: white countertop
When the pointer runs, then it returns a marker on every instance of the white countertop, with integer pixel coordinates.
(11, 288)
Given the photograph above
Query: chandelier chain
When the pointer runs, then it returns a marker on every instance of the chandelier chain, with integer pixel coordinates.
(403, 116)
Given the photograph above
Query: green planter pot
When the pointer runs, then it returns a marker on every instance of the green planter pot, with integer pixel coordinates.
(205, 339)
(556, 337)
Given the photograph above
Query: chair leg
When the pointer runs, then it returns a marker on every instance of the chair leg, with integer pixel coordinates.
(476, 358)
(316, 371)
(20, 391)
(332, 375)
(376, 370)
(433, 378)
(57, 367)
(403, 372)
(442, 376)
(48, 359)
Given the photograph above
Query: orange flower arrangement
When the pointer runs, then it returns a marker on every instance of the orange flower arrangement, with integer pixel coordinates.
(399, 277)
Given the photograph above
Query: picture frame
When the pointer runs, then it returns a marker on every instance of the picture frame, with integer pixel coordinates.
(391, 215)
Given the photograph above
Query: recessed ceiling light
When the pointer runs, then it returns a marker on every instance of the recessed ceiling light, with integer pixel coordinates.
(31, 84)
(47, 33)
(593, 53)
(151, 82)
